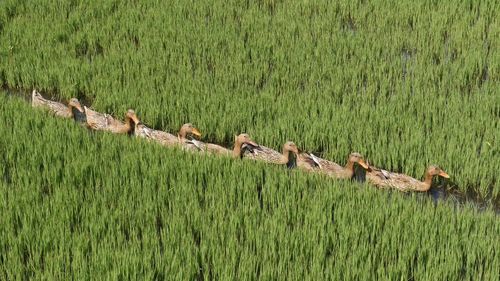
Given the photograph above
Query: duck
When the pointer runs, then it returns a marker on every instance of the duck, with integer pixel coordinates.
(187, 138)
(265, 154)
(216, 149)
(290, 155)
(385, 179)
(203, 147)
(105, 122)
(72, 110)
(268, 155)
(238, 150)
(161, 137)
(308, 161)
(333, 169)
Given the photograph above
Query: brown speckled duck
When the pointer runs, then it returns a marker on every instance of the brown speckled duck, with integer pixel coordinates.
(268, 155)
(105, 122)
(187, 139)
(385, 179)
(262, 153)
(72, 110)
(161, 137)
(335, 170)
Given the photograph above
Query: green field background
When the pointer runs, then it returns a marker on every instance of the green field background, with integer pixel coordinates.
(93, 206)
(405, 83)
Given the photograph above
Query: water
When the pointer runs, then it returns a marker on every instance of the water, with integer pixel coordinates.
(447, 191)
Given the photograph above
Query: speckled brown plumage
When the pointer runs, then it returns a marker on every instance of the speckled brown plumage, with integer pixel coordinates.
(385, 179)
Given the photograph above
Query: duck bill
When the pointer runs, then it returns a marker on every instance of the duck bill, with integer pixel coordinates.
(363, 164)
(135, 119)
(444, 175)
(196, 132)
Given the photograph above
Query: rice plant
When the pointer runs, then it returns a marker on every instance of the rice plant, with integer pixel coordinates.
(404, 83)
(83, 205)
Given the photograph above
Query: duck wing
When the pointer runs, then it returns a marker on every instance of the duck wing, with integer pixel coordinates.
(104, 122)
(385, 179)
(262, 153)
(314, 160)
(380, 173)
(326, 166)
(217, 149)
(158, 136)
(308, 161)
(96, 120)
(193, 144)
(404, 182)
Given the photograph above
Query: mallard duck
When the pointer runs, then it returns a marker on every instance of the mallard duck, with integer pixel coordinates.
(106, 122)
(385, 179)
(73, 110)
(333, 169)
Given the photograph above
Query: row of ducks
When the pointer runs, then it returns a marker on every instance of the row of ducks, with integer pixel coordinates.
(244, 147)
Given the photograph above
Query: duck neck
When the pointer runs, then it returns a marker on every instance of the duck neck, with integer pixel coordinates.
(182, 135)
(237, 149)
(426, 184)
(349, 168)
(71, 109)
(285, 156)
(129, 127)
(291, 161)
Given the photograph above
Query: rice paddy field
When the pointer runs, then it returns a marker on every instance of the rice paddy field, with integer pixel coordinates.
(405, 83)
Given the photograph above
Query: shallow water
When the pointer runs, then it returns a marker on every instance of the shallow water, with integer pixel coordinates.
(446, 191)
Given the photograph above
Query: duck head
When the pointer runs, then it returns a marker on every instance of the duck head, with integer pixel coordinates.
(357, 158)
(188, 129)
(132, 116)
(290, 146)
(435, 170)
(240, 141)
(244, 139)
(73, 102)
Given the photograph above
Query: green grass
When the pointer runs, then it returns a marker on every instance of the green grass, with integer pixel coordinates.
(101, 206)
(406, 84)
